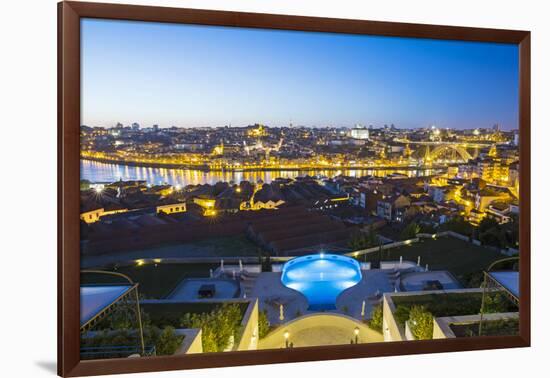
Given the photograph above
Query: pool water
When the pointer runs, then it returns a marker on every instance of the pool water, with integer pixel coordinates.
(321, 278)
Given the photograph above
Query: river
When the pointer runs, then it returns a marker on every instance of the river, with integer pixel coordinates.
(97, 172)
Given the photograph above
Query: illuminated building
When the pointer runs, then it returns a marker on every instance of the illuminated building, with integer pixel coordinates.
(94, 215)
(390, 207)
(359, 133)
(172, 208)
(258, 131)
(407, 152)
(476, 216)
(492, 151)
(490, 194)
(218, 150)
(208, 204)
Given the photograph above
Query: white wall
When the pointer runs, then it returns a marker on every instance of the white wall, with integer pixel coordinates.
(28, 122)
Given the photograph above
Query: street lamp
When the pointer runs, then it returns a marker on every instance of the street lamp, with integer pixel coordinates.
(286, 335)
(356, 332)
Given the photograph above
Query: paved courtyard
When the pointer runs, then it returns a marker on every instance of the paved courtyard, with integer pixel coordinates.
(351, 300)
(315, 331)
(272, 293)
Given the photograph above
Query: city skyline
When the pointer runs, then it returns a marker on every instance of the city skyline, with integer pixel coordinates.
(355, 126)
(282, 77)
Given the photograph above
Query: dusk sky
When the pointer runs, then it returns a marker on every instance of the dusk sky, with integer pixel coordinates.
(187, 76)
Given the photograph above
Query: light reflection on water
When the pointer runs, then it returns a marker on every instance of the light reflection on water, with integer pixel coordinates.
(321, 278)
(107, 172)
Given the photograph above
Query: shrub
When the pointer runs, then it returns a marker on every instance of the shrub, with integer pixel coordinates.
(421, 323)
(501, 327)
(263, 324)
(167, 342)
(217, 326)
(451, 304)
(497, 302)
(376, 320)
(410, 231)
(401, 314)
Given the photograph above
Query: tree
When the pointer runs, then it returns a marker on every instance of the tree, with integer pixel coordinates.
(410, 231)
(458, 225)
(376, 320)
(493, 237)
(361, 240)
(263, 324)
(372, 238)
(265, 262)
(421, 323)
(487, 224)
(427, 228)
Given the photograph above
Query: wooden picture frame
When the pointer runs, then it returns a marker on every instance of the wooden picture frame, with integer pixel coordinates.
(69, 99)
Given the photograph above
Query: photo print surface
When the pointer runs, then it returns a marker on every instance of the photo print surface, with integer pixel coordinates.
(249, 189)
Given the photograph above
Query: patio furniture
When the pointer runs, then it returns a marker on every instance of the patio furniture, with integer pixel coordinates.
(207, 291)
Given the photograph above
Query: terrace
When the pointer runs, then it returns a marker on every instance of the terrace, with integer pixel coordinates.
(462, 259)
(284, 315)
(398, 308)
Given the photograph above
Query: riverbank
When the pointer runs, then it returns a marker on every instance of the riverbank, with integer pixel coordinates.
(205, 168)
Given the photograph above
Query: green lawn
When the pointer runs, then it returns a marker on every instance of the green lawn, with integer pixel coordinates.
(156, 281)
(459, 257)
(213, 247)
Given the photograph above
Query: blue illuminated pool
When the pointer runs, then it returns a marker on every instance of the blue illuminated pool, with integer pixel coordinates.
(321, 278)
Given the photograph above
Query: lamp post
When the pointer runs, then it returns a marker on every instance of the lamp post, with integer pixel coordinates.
(286, 335)
(356, 332)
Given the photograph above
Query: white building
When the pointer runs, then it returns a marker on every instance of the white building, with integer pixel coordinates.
(360, 133)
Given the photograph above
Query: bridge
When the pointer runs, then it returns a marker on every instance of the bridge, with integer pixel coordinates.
(445, 152)
(441, 151)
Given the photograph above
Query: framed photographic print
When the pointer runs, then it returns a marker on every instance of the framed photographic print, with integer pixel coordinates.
(240, 188)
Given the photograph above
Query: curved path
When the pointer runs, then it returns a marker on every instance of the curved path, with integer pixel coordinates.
(320, 329)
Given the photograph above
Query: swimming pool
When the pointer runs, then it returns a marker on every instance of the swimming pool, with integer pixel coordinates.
(321, 278)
